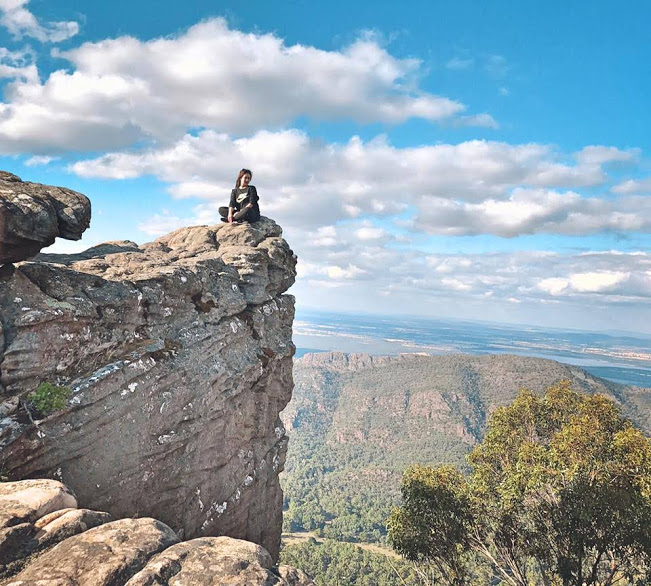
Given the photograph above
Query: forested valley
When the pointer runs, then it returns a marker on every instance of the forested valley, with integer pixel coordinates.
(356, 423)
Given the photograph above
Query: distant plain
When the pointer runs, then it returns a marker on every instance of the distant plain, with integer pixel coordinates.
(623, 357)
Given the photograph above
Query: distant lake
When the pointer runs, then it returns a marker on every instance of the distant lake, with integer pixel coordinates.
(620, 357)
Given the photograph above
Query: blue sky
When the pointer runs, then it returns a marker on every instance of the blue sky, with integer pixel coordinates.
(456, 159)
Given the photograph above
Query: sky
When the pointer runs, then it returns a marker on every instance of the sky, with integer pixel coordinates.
(455, 159)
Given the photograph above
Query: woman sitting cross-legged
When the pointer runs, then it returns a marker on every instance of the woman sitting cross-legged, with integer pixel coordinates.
(243, 206)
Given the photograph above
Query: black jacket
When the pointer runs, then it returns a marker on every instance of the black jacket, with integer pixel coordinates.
(251, 197)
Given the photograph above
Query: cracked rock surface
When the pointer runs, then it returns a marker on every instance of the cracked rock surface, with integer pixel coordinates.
(178, 355)
(33, 215)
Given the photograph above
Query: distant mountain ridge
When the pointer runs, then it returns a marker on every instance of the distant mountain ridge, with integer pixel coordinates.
(471, 386)
(356, 421)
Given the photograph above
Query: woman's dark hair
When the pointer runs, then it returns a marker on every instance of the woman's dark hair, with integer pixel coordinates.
(240, 175)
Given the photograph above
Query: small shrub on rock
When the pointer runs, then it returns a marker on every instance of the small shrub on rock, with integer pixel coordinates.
(48, 398)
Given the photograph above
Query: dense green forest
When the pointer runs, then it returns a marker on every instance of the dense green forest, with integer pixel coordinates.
(341, 564)
(334, 563)
(356, 423)
(346, 492)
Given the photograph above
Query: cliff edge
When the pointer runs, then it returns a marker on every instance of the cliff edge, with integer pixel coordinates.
(178, 357)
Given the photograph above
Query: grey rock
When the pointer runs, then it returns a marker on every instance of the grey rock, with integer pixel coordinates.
(103, 556)
(58, 526)
(77, 547)
(210, 561)
(37, 514)
(33, 215)
(294, 576)
(14, 543)
(179, 357)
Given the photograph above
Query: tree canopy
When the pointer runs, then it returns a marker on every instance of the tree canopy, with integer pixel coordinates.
(559, 493)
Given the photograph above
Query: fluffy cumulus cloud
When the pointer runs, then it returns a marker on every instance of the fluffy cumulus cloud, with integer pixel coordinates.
(534, 211)
(475, 187)
(339, 260)
(20, 22)
(631, 186)
(362, 260)
(594, 278)
(193, 108)
(121, 90)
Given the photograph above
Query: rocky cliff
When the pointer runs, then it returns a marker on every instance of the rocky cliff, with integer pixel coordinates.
(178, 357)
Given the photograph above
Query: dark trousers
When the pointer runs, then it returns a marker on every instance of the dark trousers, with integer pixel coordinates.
(242, 215)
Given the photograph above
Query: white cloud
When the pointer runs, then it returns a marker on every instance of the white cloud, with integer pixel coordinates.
(325, 236)
(474, 187)
(17, 65)
(598, 155)
(123, 90)
(483, 120)
(460, 63)
(607, 277)
(634, 186)
(456, 285)
(534, 211)
(369, 233)
(596, 282)
(20, 22)
(412, 281)
(39, 160)
(339, 273)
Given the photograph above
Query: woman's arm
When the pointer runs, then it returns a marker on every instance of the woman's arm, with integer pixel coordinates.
(253, 196)
(231, 207)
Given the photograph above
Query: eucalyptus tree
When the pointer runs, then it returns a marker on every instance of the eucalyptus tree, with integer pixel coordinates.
(559, 493)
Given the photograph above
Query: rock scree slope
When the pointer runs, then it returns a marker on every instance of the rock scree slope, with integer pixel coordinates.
(178, 355)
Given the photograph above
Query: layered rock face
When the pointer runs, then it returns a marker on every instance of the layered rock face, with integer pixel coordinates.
(46, 540)
(178, 354)
(33, 215)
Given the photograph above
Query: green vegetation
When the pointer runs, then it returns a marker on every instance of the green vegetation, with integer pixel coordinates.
(354, 428)
(342, 564)
(48, 398)
(559, 494)
(356, 425)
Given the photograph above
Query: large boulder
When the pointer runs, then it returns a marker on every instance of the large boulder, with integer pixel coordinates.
(214, 561)
(70, 546)
(33, 215)
(107, 555)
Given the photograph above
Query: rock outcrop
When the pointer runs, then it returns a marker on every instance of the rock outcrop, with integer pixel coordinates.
(178, 357)
(33, 215)
(88, 548)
